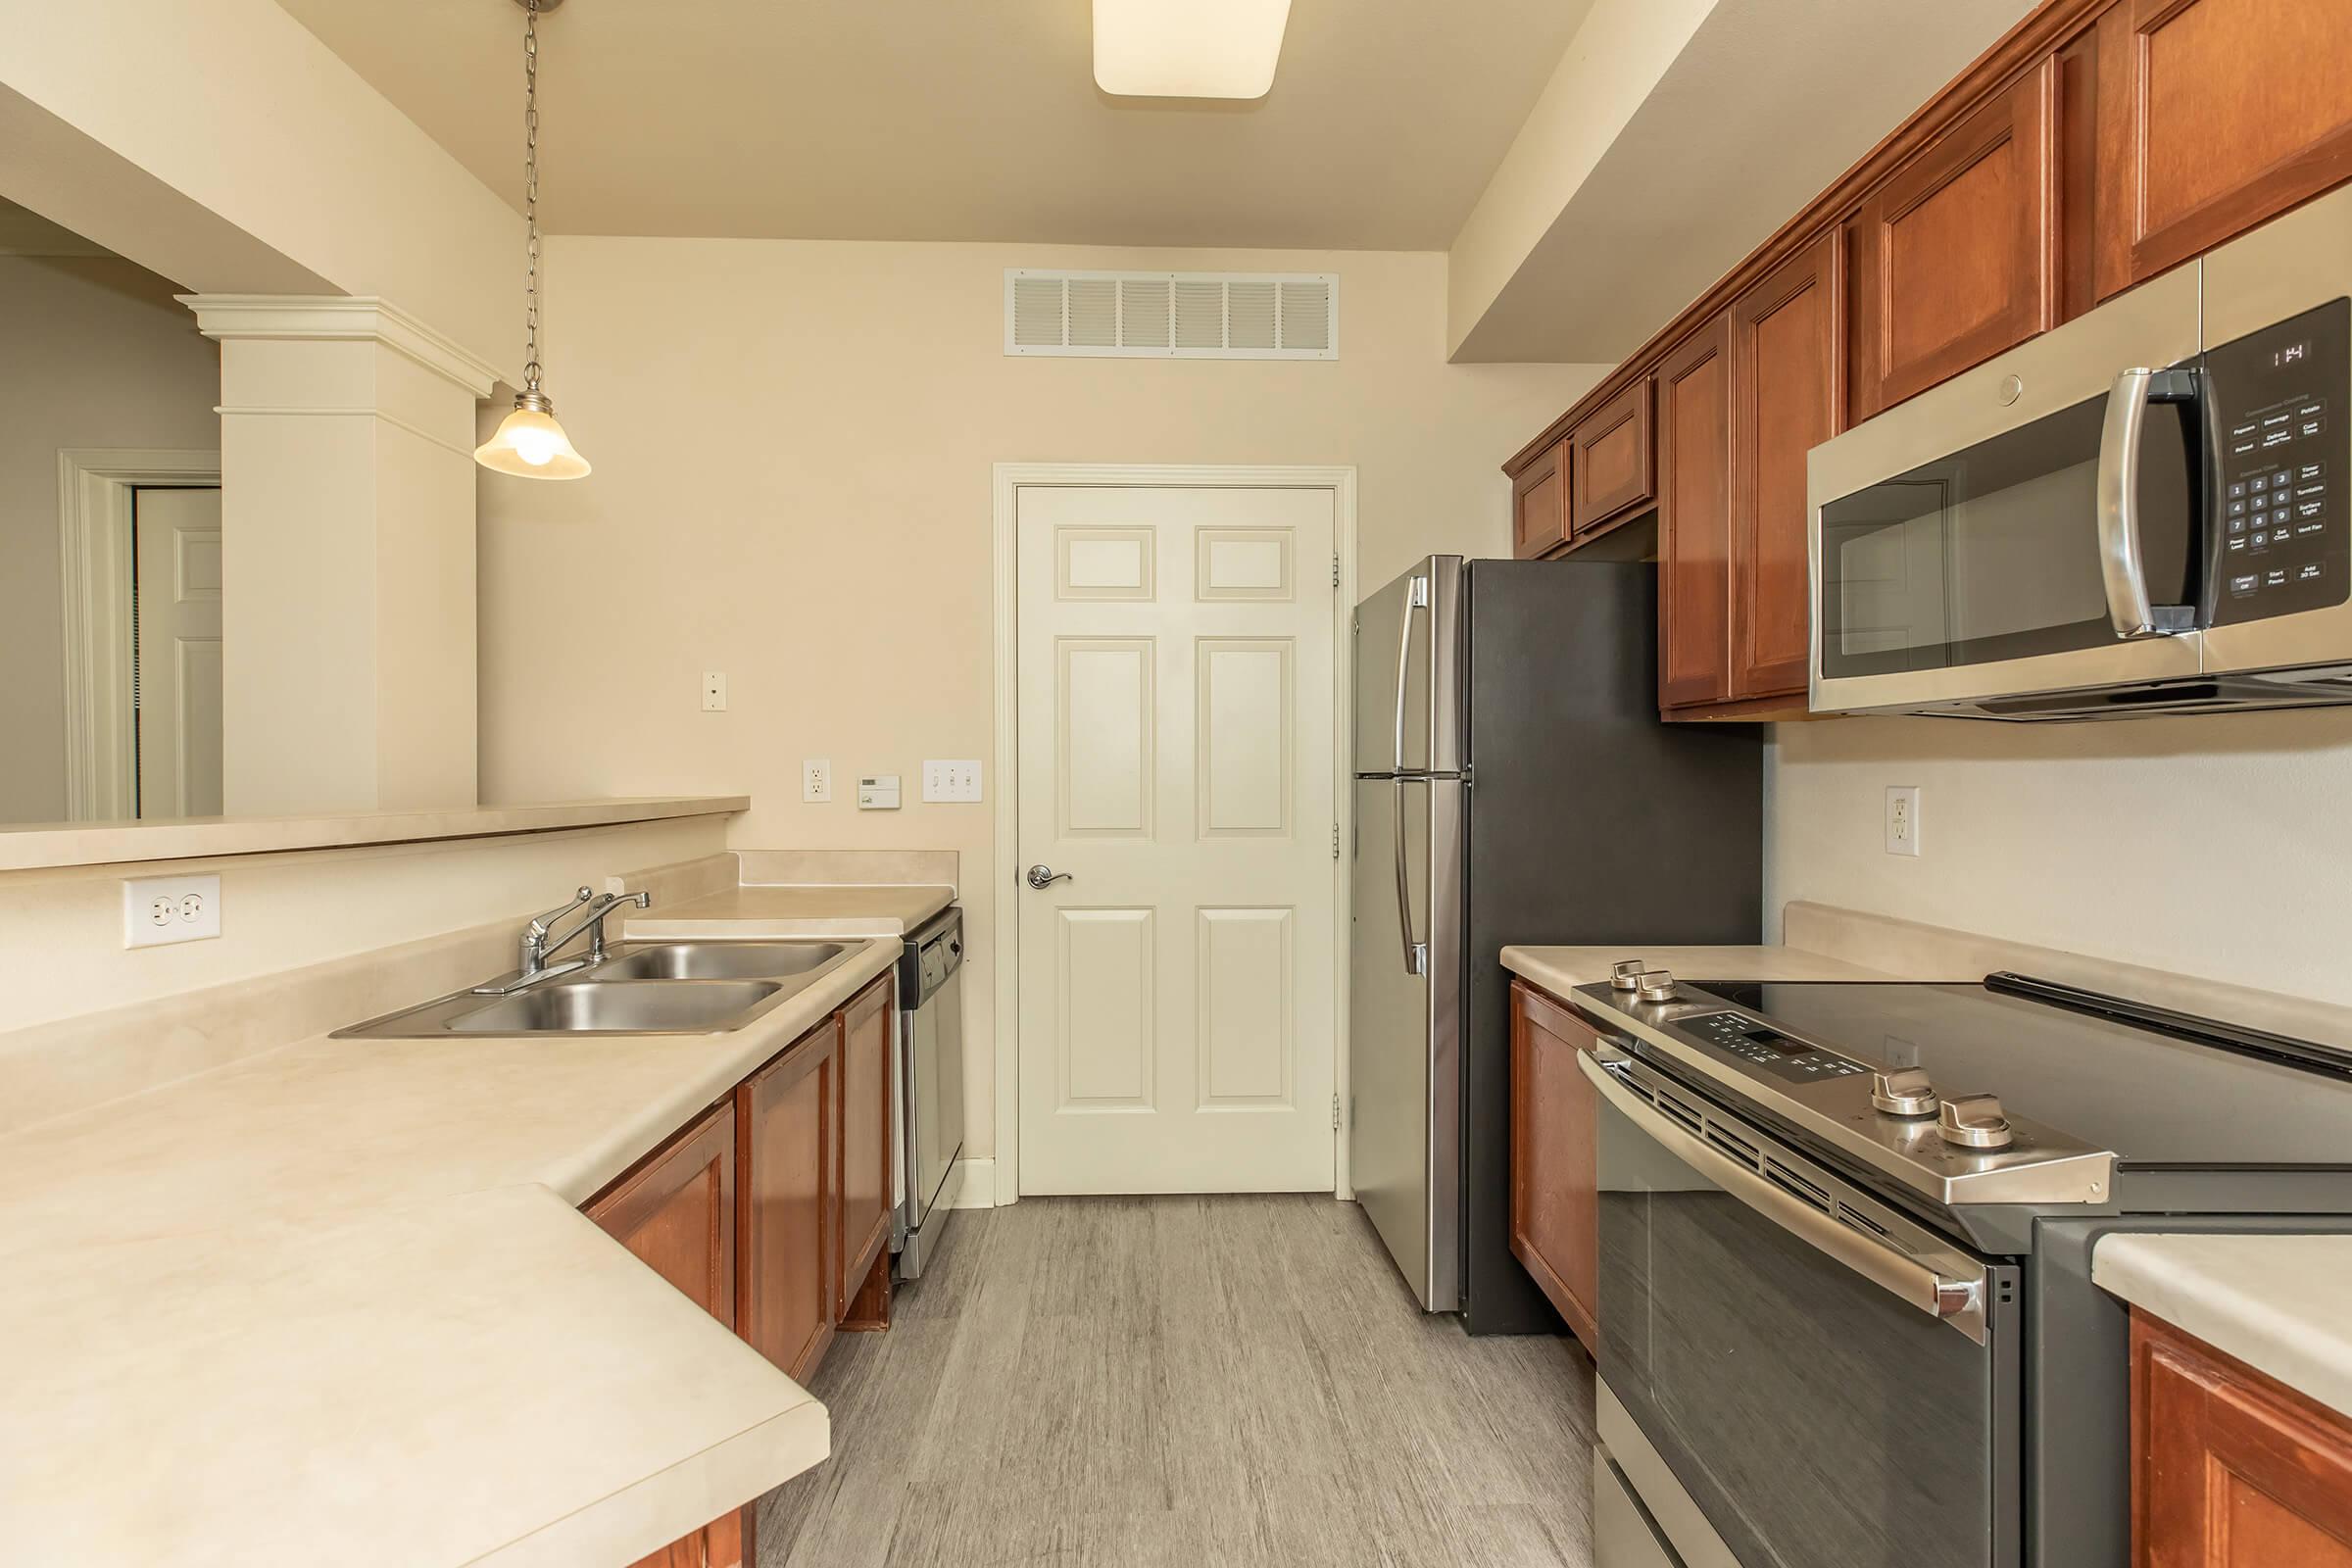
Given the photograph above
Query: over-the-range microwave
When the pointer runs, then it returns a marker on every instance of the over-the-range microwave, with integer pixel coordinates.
(2138, 512)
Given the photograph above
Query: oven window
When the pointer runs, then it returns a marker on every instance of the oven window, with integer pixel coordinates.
(1992, 554)
(1813, 1417)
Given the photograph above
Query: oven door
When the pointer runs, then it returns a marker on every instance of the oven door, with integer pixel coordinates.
(1981, 541)
(1826, 1381)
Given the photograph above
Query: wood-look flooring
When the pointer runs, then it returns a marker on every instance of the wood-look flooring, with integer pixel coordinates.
(1134, 1383)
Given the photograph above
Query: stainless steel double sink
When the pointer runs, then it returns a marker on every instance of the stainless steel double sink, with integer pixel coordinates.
(642, 988)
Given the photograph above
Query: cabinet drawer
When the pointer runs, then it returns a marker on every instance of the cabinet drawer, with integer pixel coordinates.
(1611, 470)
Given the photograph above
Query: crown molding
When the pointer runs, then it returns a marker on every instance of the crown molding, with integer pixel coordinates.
(337, 318)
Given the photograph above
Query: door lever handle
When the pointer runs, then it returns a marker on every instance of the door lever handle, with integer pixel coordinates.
(1042, 877)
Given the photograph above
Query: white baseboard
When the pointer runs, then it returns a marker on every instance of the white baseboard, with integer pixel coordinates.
(975, 1184)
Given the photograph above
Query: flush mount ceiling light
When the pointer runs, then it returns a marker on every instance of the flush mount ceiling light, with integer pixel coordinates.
(530, 442)
(1188, 48)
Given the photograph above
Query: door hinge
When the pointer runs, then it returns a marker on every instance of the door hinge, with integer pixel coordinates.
(1335, 1112)
(1335, 570)
(1335, 841)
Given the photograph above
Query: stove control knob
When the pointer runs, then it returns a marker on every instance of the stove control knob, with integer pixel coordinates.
(1974, 1121)
(1903, 1092)
(1626, 974)
(1655, 985)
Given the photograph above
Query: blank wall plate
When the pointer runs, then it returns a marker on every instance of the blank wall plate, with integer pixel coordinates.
(951, 781)
(158, 910)
(1903, 819)
(817, 779)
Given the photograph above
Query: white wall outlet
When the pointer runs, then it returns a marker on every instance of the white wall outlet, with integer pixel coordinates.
(1903, 819)
(951, 782)
(878, 792)
(157, 910)
(715, 690)
(817, 779)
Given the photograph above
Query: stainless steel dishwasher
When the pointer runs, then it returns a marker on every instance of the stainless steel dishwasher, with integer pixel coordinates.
(930, 1120)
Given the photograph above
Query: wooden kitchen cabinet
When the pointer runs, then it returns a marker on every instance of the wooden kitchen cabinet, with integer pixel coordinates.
(787, 1118)
(1787, 396)
(2214, 115)
(864, 1182)
(2229, 1468)
(1555, 1201)
(1540, 504)
(1609, 460)
(676, 1212)
(1955, 258)
(1694, 517)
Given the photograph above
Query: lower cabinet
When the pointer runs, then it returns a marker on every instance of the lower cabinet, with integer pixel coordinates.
(676, 1212)
(865, 1089)
(787, 1115)
(2231, 1469)
(1555, 1201)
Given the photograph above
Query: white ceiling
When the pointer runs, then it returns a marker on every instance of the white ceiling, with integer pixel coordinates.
(973, 119)
(25, 232)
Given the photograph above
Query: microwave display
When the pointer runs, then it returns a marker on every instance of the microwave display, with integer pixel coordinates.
(2280, 543)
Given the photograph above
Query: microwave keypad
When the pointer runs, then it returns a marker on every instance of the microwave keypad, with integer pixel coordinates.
(2283, 544)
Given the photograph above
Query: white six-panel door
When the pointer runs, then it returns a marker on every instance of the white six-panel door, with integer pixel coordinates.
(177, 533)
(1177, 734)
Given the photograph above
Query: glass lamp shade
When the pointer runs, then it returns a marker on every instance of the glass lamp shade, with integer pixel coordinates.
(530, 443)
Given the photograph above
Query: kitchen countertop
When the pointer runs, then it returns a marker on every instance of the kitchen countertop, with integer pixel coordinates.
(328, 1293)
(2276, 1302)
(884, 910)
(1560, 970)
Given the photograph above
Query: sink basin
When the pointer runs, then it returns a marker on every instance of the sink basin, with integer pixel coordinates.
(645, 1007)
(719, 960)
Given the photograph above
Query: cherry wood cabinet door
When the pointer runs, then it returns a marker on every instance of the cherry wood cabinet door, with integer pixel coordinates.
(1610, 461)
(786, 1122)
(676, 1212)
(1540, 504)
(2214, 114)
(1694, 517)
(2231, 1469)
(1956, 256)
(866, 1088)
(1788, 397)
(1555, 1200)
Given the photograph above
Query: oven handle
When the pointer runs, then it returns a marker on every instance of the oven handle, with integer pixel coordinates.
(1959, 1302)
(2123, 574)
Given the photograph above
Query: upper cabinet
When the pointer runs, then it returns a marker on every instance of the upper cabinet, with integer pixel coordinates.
(1956, 257)
(2213, 115)
(2097, 144)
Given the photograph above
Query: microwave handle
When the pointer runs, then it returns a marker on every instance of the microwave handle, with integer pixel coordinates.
(2122, 573)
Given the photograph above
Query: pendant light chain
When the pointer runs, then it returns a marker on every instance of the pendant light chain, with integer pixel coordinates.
(530, 194)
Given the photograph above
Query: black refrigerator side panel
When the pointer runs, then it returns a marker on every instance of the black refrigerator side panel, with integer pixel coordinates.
(1591, 823)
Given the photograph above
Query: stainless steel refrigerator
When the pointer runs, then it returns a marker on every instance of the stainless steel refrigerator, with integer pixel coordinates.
(1513, 785)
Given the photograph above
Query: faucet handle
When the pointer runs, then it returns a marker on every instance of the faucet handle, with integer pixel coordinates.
(546, 918)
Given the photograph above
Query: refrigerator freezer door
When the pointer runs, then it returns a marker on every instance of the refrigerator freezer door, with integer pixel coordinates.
(1408, 714)
(1404, 1028)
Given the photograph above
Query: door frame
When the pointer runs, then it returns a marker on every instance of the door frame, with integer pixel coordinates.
(1004, 842)
(96, 493)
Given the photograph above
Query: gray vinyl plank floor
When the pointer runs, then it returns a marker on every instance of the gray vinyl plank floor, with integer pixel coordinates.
(1132, 1382)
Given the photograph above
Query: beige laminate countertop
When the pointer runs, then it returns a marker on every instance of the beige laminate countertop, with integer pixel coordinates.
(2276, 1302)
(336, 1303)
(1560, 970)
(796, 911)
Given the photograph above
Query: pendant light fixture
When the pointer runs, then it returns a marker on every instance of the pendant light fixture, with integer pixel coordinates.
(530, 442)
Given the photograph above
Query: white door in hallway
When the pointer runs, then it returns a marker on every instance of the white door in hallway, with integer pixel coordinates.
(178, 537)
(1178, 737)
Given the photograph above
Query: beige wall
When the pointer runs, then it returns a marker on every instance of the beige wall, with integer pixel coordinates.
(96, 353)
(793, 446)
(2215, 847)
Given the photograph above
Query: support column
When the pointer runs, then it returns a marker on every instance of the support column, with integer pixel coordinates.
(347, 474)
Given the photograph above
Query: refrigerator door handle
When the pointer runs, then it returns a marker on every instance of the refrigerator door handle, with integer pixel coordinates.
(1416, 954)
(1416, 597)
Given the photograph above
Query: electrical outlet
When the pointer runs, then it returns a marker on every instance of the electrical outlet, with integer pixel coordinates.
(1903, 819)
(951, 782)
(157, 910)
(817, 779)
(715, 690)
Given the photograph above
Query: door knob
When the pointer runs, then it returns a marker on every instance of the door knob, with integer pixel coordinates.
(1043, 877)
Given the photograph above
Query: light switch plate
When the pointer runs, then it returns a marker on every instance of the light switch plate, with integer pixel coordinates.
(817, 779)
(1903, 819)
(158, 910)
(952, 780)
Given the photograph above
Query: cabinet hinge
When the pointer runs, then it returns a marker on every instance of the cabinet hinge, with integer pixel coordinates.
(1335, 1112)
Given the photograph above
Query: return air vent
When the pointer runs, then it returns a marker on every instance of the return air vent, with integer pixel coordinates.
(1184, 315)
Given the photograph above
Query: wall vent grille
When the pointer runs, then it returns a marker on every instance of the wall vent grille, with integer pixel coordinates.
(1159, 316)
